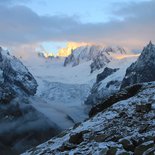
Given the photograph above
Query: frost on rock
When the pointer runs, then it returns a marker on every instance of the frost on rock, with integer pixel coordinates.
(119, 129)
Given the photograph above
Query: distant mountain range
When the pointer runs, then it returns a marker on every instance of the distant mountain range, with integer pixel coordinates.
(107, 85)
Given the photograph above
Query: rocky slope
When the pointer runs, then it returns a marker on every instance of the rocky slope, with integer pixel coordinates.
(98, 55)
(126, 127)
(143, 70)
(22, 126)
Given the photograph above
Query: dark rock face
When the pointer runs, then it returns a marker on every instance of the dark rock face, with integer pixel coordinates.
(97, 95)
(139, 150)
(99, 62)
(113, 83)
(16, 76)
(107, 71)
(76, 138)
(6, 94)
(15, 79)
(122, 95)
(71, 59)
(143, 107)
(143, 70)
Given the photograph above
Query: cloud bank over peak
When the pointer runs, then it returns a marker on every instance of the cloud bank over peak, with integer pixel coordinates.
(20, 25)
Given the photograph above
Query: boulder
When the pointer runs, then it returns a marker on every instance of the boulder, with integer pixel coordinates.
(139, 150)
(143, 107)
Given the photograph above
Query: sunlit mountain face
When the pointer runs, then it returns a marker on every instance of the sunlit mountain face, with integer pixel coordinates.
(66, 51)
(63, 52)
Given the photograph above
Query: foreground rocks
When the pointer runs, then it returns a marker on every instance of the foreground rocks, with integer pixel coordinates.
(122, 95)
(117, 129)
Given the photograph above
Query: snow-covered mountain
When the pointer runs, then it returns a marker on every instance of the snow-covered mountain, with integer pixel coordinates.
(64, 90)
(109, 80)
(99, 56)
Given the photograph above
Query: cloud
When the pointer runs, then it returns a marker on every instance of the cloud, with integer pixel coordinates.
(9, 2)
(20, 25)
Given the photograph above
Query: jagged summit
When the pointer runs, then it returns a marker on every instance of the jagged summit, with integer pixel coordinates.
(99, 56)
(143, 70)
(91, 52)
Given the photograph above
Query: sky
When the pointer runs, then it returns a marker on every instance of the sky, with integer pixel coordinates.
(29, 24)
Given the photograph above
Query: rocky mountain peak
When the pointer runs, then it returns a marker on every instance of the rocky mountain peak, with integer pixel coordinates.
(15, 76)
(148, 50)
(100, 56)
(143, 70)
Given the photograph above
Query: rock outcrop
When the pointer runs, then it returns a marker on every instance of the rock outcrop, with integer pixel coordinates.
(98, 92)
(107, 71)
(143, 70)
